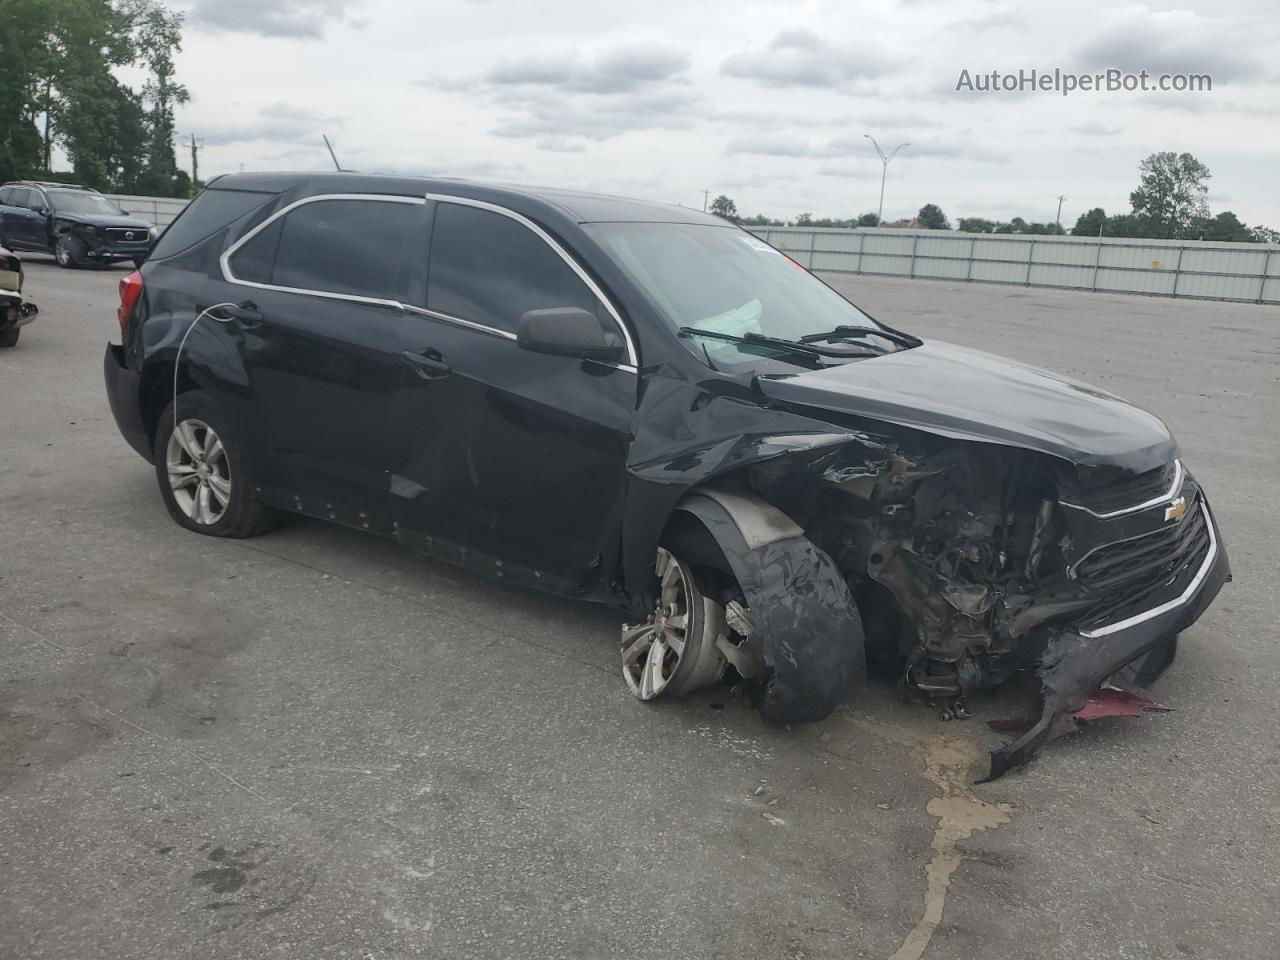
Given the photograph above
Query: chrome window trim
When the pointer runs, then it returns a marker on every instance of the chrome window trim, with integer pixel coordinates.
(632, 356)
(1179, 475)
(225, 260)
(458, 321)
(224, 263)
(1168, 605)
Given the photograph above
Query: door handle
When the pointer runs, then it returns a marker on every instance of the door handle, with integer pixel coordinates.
(246, 314)
(428, 364)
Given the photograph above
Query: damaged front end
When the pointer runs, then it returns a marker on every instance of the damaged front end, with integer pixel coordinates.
(969, 561)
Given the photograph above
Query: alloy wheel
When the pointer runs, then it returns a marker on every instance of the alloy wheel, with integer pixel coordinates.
(653, 651)
(199, 471)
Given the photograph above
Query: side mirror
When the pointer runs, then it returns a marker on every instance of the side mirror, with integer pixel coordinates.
(568, 332)
(41, 209)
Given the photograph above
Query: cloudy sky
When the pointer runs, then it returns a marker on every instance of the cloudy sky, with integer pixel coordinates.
(764, 101)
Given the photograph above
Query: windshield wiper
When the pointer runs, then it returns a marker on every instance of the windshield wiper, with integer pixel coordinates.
(777, 343)
(843, 331)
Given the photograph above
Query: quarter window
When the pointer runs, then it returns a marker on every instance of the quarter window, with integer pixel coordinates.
(362, 248)
(490, 269)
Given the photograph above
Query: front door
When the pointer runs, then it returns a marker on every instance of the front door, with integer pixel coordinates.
(509, 462)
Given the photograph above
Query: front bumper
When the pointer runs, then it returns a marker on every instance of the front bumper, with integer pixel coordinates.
(1077, 661)
(124, 394)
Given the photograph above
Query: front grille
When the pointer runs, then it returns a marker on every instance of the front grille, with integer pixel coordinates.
(1132, 574)
(120, 235)
(1129, 492)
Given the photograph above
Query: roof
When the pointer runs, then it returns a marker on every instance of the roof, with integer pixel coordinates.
(577, 205)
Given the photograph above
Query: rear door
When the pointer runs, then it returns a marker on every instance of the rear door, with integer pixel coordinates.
(507, 461)
(22, 224)
(328, 275)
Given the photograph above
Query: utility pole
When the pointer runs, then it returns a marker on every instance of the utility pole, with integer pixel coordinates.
(884, 172)
(705, 194)
(195, 161)
(1058, 218)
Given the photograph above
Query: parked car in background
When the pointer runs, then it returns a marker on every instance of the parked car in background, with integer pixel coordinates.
(77, 225)
(14, 313)
(646, 406)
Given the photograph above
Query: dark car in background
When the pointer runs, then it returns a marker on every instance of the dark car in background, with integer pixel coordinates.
(77, 225)
(648, 406)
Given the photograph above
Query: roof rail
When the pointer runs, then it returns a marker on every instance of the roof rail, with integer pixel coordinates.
(55, 183)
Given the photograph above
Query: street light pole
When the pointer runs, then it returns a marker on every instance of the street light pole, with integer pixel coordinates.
(1058, 218)
(884, 172)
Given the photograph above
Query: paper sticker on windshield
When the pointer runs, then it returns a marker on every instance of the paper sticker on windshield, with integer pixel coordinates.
(755, 243)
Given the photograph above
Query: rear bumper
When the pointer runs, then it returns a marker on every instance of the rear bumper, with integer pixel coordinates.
(124, 394)
(1076, 662)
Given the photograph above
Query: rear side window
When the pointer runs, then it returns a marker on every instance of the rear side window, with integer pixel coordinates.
(204, 216)
(490, 269)
(256, 260)
(363, 248)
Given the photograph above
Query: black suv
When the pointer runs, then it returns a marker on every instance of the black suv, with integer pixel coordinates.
(648, 406)
(77, 225)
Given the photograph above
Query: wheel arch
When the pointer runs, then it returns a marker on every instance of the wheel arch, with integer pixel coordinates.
(798, 599)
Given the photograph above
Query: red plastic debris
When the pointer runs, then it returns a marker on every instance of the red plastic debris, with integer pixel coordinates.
(1112, 702)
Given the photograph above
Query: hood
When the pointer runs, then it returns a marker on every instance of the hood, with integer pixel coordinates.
(956, 392)
(104, 220)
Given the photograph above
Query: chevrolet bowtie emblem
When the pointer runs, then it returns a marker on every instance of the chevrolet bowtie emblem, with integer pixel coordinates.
(1175, 510)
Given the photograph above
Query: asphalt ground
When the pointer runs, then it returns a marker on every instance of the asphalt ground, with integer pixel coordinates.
(315, 744)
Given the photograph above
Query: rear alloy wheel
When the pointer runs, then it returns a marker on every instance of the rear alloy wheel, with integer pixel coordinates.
(199, 472)
(674, 650)
(202, 466)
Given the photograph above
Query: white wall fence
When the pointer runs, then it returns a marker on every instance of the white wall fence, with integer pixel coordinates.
(160, 211)
(1173, 268)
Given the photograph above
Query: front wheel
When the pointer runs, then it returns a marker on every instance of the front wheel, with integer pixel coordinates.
(204, 472)
(675, 650)
(68, 251)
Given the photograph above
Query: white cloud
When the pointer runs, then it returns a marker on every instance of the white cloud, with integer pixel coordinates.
(766, 101)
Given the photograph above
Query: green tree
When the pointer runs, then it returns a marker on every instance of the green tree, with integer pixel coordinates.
(931, 217)
(867, 220)
(159, 37)
(804, 220)
(722, 206)
(1171, 195)
(1090, 222)
(976, 225)
(760, 220)
(58, 86)
(1225, 226)
(1265, 235)
(1126, 225)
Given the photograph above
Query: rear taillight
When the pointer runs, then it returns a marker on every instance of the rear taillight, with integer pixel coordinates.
(130, 291)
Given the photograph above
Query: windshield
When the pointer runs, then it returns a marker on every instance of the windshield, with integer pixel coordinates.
(68, 201)
(724, 280)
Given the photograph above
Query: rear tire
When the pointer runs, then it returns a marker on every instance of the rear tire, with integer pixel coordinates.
(204, 473)
(10, 337)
